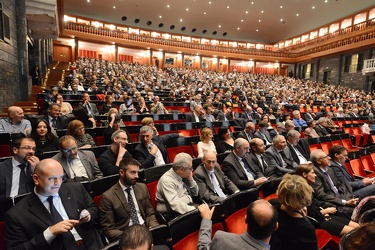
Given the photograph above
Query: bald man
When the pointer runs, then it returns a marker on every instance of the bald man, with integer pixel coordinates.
(261, 220)
(15, 123)
(54, 215)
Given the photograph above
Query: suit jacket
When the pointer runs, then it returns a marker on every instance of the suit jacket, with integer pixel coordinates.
(27, 220)
(61, 122)
(206, 189)
(235, 172)
(324, 193)
(191, 118)
(93, 106)
(243, 135)
(343, 175)
(247, 117)
(307, 116)
(276, 161)
(89, 163)
(258, 134)
(6, 179)
(224, 240)
(114, 210)
(294, 154)
(145, 158)
(320, 130)
(268, 171)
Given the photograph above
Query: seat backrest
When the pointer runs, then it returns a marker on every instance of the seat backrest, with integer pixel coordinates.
(357, 167)
(323, 238)
(172, 152)
(367, 162)
(151, 186)
(235, 223)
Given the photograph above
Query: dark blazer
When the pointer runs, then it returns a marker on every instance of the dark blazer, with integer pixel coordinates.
(294, 154)
(268, 171)
(320, 130)
(243, 135)
(323, 192)
(257, 134)
(307, 116)
(189, 117)
(247, 117)
(93, 106)
(61, 122)
(276, 160)
(27, 220)
(145, 158)
(89, 163)
(6, 176)
(114, 210)
(235, 172)
(206, 189)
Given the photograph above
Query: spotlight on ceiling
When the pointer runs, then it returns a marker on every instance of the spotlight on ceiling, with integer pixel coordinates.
(225, 33)
(172, 27)
(161, 25)
(183, 28)
(124, 18)
(214, 33)
(193, 30)
(149, 22)
(204, 31)
(136, 20)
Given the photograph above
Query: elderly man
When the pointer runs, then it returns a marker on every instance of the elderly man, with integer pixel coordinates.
(263, 134)
(53, 117)
(176, 188)
(361, 187)
(248, 132)
(90, 107)
(320, 128)
(15, 173)
(15, 123)
(280, 128)
(237, 166)
(197, 115)
(297, 120)
(109, 160)
(289, 125)
(54, 215)
(327, 189)
(299, 154)
(213, 185)
(150, 152)
(157, 107)
(126, 203)
(280, 157)
(78, 165)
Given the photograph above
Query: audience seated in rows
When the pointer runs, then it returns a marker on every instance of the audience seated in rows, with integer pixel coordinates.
(15, 123)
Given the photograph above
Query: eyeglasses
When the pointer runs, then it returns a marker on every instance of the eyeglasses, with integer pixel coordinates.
(69, 149)
(125, 139)
(28, 148)
(324, 157)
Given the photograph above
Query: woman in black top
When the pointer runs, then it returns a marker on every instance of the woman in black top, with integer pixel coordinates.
(107, 105)
(44, 138)
(225, 141)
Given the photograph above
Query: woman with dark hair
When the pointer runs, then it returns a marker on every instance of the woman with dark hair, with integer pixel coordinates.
(225, 141)
(325, 217)
(77, 130)
(80, 114)
(107, 105)
(44, 138)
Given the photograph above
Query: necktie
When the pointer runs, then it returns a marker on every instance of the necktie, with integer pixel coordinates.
(330, 182)
(22, 189)
(248, 168)
(288, 162)
(264, 164)
(54, 122)
(186, 185)
(133, 211)
(216, 185)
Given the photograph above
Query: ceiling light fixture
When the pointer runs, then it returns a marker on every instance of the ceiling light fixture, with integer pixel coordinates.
(297, 14)
(204, 13)
(160, 16)
(168, 6)
(180, 20)
(114, 7)
(187, 9)
(313, 7)
(247, 12)
(262, 11)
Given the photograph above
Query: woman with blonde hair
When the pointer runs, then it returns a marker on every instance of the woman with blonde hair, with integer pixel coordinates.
(295, 230)
(77, 130)
(206, 143)
(325, 217)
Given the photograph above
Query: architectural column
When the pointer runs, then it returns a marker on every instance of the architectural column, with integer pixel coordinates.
(116, 53)
(255, 67)
(23, 86)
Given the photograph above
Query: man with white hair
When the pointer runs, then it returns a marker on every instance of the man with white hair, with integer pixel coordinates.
(15, 123)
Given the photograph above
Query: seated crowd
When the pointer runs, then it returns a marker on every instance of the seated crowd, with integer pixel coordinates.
(313, 184)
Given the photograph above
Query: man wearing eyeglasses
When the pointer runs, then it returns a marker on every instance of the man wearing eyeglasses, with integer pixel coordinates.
(78, 165)
(15, 173)
(109, 161)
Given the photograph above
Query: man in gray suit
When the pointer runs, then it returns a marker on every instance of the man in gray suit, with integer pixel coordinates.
(280, 157)
(261, 220)
(78, 165)
(213, 185)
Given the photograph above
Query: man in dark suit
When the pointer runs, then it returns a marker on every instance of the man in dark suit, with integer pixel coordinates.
(320, 127)
(228, 115)
(53, 117)
(299, 155)
(280, 128)
(309, 115)
(280, 157)
(361, 187)
(248, 132)
(54, 216)
(150, 152)
(90, 107)
(78, 165)
(115, 210)
(259, 158)
(327, 189)
(261, 220)
(20, 167)
(248, 114)
(196, 115)
(213, 185)
(237, 166)
(263, 134)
